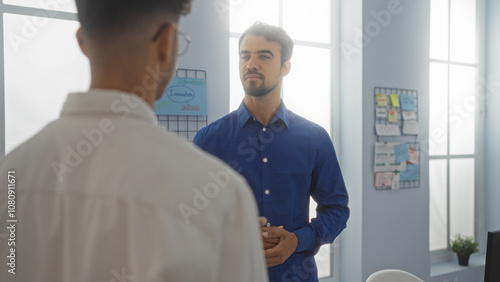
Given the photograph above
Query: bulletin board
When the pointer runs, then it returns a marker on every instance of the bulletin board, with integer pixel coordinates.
(410, 178)
(185, 125)
(396, 124)
(384, 121)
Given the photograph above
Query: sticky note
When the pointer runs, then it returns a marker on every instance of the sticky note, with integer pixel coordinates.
(395, 100)
(383, 179)
(381, 100)
(407, 103)
(393, 116)
(401, 152)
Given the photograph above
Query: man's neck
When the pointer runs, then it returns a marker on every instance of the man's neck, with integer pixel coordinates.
(125, 85)
(263, 108)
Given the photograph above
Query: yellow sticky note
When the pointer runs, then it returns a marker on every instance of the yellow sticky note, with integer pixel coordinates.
(393, 116)
(395, 100)
(381, 100)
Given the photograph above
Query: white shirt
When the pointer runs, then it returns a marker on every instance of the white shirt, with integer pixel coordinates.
(105, 194)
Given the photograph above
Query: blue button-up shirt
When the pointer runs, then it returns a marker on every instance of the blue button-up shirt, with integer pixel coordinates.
(285, 162)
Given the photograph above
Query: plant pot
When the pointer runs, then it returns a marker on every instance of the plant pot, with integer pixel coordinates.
(463, 260)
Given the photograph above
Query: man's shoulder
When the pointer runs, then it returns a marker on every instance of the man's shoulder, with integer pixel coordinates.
(36, 143)
(187, 159)
(222, 123)
(301, 124)
(192, 173)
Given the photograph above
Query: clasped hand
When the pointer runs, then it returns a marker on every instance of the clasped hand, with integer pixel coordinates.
(279, 244)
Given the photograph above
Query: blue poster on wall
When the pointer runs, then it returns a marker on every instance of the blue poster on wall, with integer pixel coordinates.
(185, 97)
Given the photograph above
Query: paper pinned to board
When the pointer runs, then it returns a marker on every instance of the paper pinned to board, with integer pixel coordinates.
(381, 112)
(395, 100)
(401, 152)
(387, 130)
(385, 158)
(393, 116)
(184, 97)
(407, 102)
(411, 173)
(383, 179)
(395, 180)
(382, 100)
(413, 156)
(411, 127)
(409, 115)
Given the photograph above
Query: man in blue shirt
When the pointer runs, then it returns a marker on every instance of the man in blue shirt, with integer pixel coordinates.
(284, 157)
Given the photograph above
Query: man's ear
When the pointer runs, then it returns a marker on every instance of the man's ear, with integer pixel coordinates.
(285, 69)
(166, 44)
(79, 38)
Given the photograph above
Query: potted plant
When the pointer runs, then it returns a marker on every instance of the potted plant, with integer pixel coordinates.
(464, 246)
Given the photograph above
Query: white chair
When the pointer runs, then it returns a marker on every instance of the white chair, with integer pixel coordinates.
(393, 275)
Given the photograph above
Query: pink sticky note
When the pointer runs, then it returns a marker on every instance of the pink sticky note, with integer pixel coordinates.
(383, 179)
(413, 156)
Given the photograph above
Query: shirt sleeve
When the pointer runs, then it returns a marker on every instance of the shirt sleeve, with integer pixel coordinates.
(242, 255)
(329, 191)
(199, 138)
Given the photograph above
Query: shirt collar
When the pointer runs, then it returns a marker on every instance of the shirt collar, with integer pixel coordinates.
(109, 102)
(244, 115)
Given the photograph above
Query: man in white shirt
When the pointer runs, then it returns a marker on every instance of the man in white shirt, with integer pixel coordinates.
(105, 194)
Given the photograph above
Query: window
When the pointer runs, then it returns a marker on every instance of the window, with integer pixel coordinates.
(454, 121)
(42, 63)
(308, 89)
(51, 5)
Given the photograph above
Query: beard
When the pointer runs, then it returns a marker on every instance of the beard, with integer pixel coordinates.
(258, 91)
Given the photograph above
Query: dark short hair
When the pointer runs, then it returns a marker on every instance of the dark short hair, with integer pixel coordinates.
(273, 34)
(102, 18)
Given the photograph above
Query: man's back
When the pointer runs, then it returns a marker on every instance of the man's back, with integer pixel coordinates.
(103, 194)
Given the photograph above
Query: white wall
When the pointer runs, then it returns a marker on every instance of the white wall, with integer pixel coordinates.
(208, 28)
(396, 224)
(387, 229)
(351, 136)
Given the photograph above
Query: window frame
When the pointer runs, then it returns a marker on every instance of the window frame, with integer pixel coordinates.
(443, 255)
(22, 11)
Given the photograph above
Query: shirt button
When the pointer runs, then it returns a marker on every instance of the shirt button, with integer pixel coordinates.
(264, 129)
(268, 224)
(267, 192)
(265, 160)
